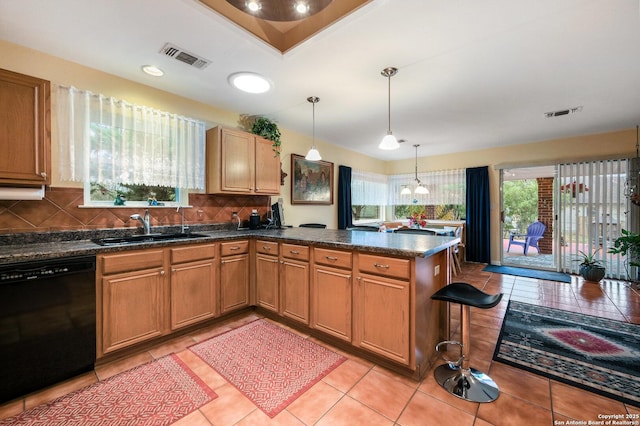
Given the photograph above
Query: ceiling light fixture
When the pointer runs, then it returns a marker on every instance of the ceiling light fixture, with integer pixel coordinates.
(420, 189)
(152, 70)
(253, 5)
(250, 82)
(313, 154)
(302, 7)
(389, 142)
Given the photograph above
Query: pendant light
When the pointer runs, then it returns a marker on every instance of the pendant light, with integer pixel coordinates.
(420, 189)
(313, 154)
(389, 142)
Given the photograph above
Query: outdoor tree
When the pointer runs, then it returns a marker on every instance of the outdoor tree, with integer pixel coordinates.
(520, 200)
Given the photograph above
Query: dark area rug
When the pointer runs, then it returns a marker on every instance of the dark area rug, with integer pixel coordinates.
(529, 273)
(592, 353)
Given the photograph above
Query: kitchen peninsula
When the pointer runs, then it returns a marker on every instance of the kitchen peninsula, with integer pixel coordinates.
(368, 293)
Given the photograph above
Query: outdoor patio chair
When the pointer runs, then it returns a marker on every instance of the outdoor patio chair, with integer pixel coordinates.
(534, 233)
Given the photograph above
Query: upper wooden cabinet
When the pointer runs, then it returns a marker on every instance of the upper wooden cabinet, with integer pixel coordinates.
(241, 163)
(25, 130)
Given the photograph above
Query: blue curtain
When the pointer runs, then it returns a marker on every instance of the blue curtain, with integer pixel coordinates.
(345, 217)
(478, 244)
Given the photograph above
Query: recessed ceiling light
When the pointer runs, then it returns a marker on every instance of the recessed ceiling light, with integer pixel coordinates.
(253, 5)
(152, 70)
(302, 7)
(249, 82)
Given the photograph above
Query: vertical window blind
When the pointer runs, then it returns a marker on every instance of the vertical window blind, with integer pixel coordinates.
(368, 188)
(103, 139)
(445, 187)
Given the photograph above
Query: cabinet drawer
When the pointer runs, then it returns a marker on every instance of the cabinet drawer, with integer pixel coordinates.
(132, 261)
(234, 247)
(338, 258)
(192, 253)
(294, 251)
(382, 265)
(267, 247)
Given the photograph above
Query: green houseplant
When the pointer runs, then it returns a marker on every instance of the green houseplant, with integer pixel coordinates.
(591, 268)
(628, 245)
(267, 129)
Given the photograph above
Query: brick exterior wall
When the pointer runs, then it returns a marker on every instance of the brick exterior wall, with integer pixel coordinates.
(545, 213)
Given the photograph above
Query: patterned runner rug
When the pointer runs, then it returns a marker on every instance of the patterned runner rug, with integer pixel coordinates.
(268, 364)
(155, 394)
(592, 353)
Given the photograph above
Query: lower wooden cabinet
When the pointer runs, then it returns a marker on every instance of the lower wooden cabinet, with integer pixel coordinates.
(234, 275)
(267, 275)
(294, 282)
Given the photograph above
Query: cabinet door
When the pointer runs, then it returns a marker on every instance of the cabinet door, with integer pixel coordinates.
(234, 283)
(267, 168)
(132, 308)
(382, 316)
(237, 159)
(193, 293)
(25, 131)
(294, 288)
(331, 311)
(267, 282)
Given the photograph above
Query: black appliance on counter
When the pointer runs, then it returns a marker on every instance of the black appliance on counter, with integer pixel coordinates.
(47, 323)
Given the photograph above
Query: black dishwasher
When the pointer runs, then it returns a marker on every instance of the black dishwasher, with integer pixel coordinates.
(47, 323)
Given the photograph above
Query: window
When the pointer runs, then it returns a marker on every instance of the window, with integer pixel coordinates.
(368, 196)
(117, 148)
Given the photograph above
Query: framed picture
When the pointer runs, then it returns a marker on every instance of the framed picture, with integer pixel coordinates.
(312, 181)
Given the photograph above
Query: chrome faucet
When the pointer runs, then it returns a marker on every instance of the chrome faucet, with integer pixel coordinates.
(183, 229)
(146, 221)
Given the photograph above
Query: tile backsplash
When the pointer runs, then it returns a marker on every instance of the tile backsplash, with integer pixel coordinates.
(59, 211)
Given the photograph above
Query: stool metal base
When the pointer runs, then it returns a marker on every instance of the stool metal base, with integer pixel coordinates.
(470, 385)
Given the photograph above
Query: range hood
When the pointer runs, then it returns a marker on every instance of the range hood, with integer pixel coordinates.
(10, 193)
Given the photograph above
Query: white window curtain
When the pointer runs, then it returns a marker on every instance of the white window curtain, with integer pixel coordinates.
(368, 189)
(106, 140)
(445, 187)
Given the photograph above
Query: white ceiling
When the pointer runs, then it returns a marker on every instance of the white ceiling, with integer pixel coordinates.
(472, 74)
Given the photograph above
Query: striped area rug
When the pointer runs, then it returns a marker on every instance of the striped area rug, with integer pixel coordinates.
(270, 365)
(155, 394)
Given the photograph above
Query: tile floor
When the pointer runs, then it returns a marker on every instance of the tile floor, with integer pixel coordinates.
(361, 393)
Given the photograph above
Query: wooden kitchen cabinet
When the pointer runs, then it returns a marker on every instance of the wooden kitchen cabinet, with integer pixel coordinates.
(131, 307)
(267, 275)
(234, 275)
(194, 284)
(331, 293)
(294, 282)
(241, 163)
(382, 307)
(25, 133)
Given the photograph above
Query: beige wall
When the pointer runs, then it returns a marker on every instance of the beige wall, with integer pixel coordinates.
(58, 71)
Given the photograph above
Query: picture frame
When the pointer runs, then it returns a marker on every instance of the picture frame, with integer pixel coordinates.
(311, 182)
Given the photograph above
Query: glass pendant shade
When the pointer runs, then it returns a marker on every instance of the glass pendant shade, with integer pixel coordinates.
(313, 154)
(405, 190)
(389, 142)
(421, 189)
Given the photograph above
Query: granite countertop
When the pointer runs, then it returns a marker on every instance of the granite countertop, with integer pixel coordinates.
(21, 248)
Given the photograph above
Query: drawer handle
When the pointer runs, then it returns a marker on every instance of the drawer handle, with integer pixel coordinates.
(294, 252)
(267, 248)
(380, 265)
(235, 248)
(331, 258)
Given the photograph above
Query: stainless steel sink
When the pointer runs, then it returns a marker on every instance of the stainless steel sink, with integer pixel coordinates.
(137, 239)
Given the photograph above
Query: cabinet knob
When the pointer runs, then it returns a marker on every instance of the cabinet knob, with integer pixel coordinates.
(162, 272)
(43, 174)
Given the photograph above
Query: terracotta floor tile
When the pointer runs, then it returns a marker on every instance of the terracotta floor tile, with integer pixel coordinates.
(425, 410)
(350, 412)
(579, 404)
(382, 393)
(509, 410)
(346, 375)
(258, 418)
(524, 385)
(172, 346)
(112, 368)
(430, 387)
(195, 418)
(228, 408)
(315, 402)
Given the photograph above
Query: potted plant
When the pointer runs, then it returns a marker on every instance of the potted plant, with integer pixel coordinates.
(628, 244)
(269, 130)
(591, 268)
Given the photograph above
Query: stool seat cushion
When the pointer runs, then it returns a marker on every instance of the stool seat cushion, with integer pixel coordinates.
(466, 294)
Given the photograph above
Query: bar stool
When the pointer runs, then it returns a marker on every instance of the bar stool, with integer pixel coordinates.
(457, 377)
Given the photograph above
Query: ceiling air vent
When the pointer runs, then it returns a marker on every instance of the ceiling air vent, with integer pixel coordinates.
(184, 56)
(563, 112)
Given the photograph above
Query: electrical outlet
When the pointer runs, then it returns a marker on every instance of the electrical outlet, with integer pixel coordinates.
(436, 271)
